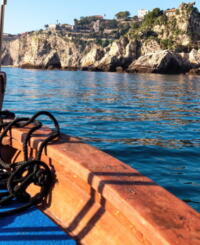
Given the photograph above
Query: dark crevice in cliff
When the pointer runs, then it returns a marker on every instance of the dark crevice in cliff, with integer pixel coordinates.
(54, 62)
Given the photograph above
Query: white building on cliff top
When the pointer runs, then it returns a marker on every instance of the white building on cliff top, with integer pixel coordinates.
(142, 13)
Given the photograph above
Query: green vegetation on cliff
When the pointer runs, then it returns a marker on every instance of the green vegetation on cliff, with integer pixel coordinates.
(174, 29)
(123, 15)
(94, 42)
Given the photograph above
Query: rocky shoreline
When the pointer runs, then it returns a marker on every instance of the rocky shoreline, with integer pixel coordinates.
(124, 55)
(162, 62)
(165, 42)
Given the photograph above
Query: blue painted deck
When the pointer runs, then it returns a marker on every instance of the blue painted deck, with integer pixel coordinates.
(32, 227)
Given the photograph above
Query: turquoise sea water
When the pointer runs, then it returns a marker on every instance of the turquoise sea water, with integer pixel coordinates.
(151, 122)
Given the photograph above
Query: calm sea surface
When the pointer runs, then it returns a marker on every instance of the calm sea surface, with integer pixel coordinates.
(151, 122)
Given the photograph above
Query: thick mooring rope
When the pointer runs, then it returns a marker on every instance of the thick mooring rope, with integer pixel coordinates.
(15, 178)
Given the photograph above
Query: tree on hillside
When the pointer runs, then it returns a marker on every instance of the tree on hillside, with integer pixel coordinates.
(75, 22)
(150, 18)
(122, 15)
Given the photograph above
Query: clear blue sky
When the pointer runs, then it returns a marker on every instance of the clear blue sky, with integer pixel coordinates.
(28, 15)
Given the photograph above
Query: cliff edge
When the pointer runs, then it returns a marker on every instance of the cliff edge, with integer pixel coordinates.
(162, 42)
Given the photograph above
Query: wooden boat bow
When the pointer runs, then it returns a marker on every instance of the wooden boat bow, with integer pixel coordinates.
(98, 199)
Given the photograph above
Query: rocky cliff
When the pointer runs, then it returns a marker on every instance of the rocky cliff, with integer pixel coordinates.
(164, 42)
(43, 50)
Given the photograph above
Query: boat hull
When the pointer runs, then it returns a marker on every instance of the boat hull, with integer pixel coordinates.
(98, 199)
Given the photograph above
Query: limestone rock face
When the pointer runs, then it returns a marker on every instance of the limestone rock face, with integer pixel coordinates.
(43, 50)
(194, 58)
(150, 46)
(53, 51)
(180, 26)
(92, 58)
(159, 62)
(48, 51)
(119, 54)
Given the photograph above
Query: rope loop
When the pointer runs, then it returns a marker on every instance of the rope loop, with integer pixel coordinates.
(16, 178)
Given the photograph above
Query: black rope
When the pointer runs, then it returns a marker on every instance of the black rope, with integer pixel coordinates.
(15, 178)
(7, 114)
(37, 126)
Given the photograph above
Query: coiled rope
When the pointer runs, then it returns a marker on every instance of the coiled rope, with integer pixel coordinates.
(15, 178)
